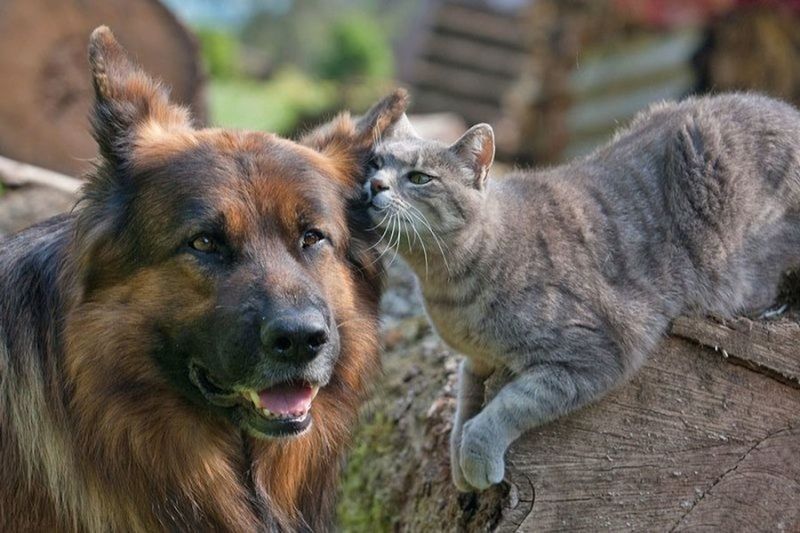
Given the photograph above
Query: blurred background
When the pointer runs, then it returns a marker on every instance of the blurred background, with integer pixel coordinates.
(554, 77)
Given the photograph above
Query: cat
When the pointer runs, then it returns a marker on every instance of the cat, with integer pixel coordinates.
(565, 278)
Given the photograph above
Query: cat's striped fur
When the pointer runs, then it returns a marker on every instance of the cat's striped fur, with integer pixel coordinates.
(567, 277)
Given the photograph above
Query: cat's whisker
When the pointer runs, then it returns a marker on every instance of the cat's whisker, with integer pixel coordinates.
(391, 239)
(399, 236)
(404, 213)
(386, 229)
(379, 224)
(378, 242)
(441, 244)
(407, 214)
(421, 217)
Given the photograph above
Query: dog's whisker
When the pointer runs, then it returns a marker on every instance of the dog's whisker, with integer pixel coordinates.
(352, 320)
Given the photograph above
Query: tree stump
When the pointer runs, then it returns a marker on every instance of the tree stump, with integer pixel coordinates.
(44, 72)
(706, 436)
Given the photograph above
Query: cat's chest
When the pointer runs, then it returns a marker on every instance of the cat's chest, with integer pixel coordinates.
(465, 328)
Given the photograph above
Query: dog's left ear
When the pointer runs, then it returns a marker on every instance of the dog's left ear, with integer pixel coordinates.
(126, 99)
(381, 117)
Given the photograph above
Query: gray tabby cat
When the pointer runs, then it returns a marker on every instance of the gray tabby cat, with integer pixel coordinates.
(566, 278)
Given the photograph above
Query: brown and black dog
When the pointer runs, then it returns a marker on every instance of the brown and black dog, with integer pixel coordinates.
(161, 346)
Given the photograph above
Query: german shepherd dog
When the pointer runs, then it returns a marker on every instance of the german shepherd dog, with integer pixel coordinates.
(161, 346)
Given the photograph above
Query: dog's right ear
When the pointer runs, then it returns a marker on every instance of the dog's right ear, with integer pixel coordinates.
(126, 100)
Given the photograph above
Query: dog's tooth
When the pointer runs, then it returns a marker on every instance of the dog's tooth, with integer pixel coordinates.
(314, 391)
(253, 395)
(268, 413)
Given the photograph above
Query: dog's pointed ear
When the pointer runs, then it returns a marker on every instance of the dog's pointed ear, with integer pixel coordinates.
(344, 133)
(382, 117)
(125, 99)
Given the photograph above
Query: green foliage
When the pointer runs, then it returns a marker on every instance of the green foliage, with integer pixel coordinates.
(275, 105)
(220, 52)
(345, 45)
(358, 49)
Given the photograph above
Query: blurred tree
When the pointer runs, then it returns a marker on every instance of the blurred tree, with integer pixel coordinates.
(358, 49)
(220, 50)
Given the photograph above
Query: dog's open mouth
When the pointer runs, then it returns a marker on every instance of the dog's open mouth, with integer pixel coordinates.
(282, 409)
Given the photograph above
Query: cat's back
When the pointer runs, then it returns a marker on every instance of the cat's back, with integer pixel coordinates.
(745, 139)
(666, 201)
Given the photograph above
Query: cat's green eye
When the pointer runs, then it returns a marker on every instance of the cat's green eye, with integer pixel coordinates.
(418, 178)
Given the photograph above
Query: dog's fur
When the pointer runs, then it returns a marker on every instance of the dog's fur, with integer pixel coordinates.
(100, 430)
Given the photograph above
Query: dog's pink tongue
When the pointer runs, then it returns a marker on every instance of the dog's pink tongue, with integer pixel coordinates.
(287, 399)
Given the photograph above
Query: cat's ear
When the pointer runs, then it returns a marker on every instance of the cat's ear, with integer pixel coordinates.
(127, 101)
(476, 149)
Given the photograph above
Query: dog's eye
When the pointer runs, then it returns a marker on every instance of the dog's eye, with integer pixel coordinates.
(312, 237)
(204, 243)
(419, 178)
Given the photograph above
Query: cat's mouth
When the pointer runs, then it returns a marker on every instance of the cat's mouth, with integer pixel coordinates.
(379, 203)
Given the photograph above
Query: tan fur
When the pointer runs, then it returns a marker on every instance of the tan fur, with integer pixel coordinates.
(93, 435)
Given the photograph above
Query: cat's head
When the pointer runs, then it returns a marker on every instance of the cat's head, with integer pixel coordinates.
(419, 187)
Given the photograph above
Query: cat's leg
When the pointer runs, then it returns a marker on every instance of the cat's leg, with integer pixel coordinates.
(471, 378)
(539, 395)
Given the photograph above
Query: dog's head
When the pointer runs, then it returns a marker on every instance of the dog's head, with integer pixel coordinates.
(222, 264)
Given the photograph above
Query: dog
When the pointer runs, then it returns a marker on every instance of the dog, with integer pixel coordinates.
(188, 349)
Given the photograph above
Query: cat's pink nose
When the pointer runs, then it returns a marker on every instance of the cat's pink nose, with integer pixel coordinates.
(377, 185)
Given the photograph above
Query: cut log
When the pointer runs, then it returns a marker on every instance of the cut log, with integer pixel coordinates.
(706, 436)
(34, 195)
(17, 174)
(44, 73)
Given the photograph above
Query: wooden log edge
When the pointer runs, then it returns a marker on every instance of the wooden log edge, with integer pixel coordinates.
(771, 347)
(17, 174)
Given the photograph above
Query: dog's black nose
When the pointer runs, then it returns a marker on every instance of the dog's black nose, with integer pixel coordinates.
(297, 336)
(377, 185)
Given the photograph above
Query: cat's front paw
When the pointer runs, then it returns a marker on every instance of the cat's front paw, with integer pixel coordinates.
(455, 461)
(481, 457)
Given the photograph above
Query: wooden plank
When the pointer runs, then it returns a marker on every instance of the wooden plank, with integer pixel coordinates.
(480, 25)
(433, 100)
(454, 50)
(474, 85)
(773, 345)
